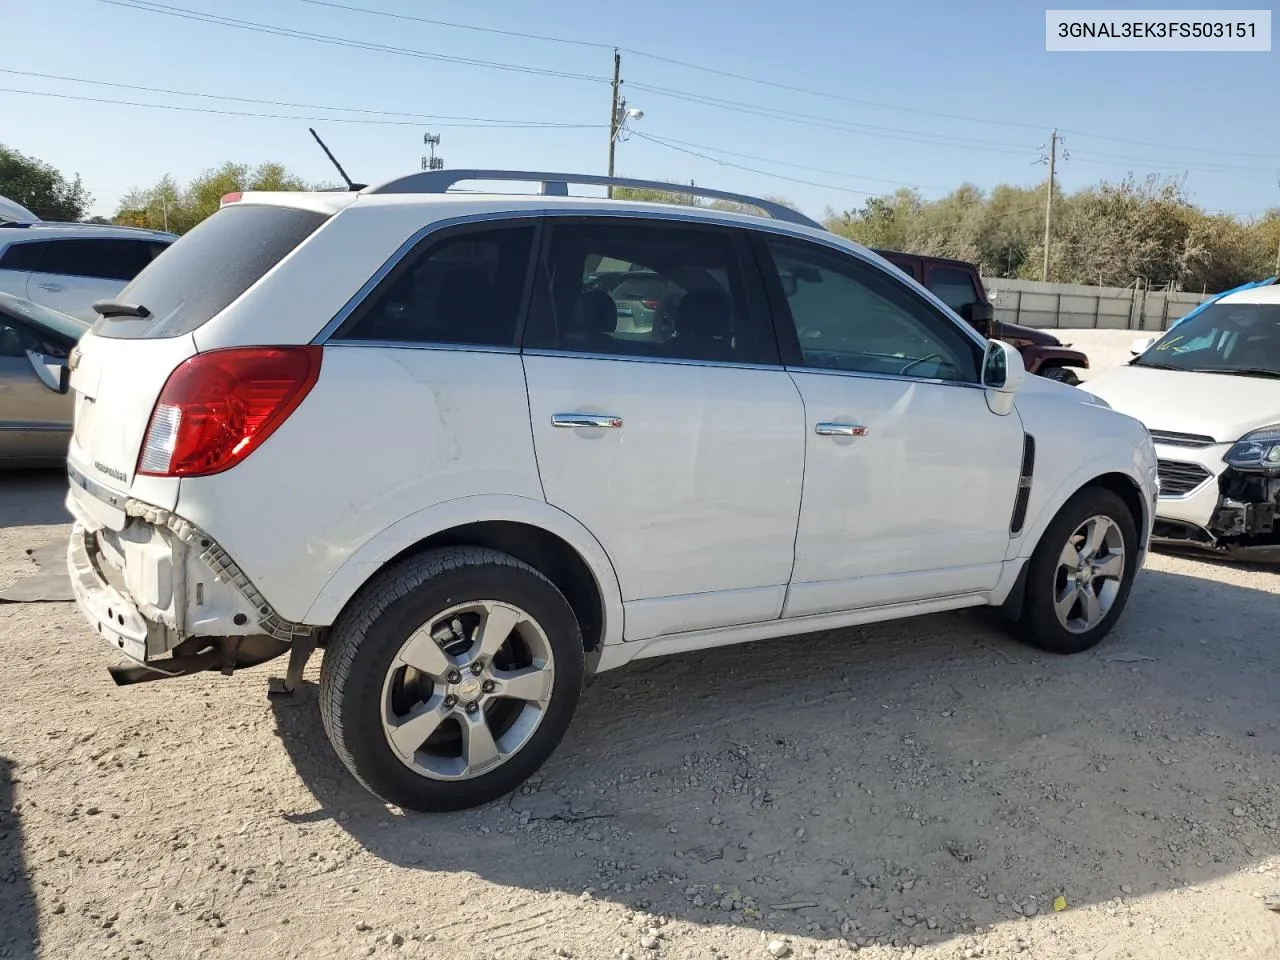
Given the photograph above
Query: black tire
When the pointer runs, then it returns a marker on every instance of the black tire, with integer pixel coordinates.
(1062, 375)
(1038, 624)
(383, 615)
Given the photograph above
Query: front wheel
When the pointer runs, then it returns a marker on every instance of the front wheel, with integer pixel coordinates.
(450, 678)
(1062, 375)
(1079, 577)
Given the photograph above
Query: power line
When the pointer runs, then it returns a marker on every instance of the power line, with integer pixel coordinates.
(458, 26)
(738, 166)
(833, 123)
(1175, 165)
(148, 6)
(430, 117)
(277, 116)
(671, 141)
(827, 94)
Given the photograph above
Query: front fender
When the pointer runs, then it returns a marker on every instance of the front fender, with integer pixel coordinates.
(398, 537)
(1121, 459)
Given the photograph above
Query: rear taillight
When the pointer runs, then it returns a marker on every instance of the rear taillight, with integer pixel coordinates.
(216, 408)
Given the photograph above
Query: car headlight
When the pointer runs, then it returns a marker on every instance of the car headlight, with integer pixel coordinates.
(1259, 450)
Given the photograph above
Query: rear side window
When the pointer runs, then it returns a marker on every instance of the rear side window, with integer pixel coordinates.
(23, 256)
(461, 289)
(100, 259)
(953, 287)
(209, 267)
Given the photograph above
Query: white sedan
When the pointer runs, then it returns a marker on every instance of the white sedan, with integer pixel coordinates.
(1209, 392)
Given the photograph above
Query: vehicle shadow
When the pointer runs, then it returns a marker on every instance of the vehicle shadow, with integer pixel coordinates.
(892, 785)
(19, 928)
(32, 498)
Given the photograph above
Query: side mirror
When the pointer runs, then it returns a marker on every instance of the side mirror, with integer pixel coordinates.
(52, 371)
(1141, 345)
(1002, 376)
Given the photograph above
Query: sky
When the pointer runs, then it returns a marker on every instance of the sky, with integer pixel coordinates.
(921, 93)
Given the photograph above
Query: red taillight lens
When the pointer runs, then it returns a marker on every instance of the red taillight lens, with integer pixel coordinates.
(233, 197)
(650, 304)
(216, 408)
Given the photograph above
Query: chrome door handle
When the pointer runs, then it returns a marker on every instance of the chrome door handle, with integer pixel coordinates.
(51, 287)
(571, 420)
(828, 429)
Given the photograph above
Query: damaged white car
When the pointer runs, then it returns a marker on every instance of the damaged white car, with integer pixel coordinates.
(1209, 392)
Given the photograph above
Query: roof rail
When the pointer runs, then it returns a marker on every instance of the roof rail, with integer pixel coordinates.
(557, 185)
(73, 225)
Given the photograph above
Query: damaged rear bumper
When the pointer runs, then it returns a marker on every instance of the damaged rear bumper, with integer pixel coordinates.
(164, 593)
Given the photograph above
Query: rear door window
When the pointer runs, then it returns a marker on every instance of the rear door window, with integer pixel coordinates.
(208, 268)
(643, 289)
(953, 287)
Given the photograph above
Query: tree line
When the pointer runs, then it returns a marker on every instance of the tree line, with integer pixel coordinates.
(1110, 234)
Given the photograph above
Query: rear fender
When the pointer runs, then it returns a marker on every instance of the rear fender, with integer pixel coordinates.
(400, 536)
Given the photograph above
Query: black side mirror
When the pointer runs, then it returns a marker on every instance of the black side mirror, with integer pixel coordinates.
(980, 316)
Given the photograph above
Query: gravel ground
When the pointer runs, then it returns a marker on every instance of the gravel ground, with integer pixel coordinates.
(925, 788)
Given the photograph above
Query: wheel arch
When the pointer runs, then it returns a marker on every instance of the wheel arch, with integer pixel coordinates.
(1121, 483)
(531, 531)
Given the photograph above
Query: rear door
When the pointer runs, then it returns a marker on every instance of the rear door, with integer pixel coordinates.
(680, 447)
(122, 364)
(74, 273)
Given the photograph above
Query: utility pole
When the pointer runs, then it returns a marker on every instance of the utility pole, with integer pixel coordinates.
(615, 111)
(1048, 204)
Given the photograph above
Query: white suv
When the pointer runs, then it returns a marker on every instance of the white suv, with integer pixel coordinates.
(69, 266)
(406, 425)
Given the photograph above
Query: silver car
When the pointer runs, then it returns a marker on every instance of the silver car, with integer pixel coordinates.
(35, 406)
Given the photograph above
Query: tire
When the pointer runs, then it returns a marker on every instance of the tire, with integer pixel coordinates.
(1040, 623)
(1062, 375)
(435, 609)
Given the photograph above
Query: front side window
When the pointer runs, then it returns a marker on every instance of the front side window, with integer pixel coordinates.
(101, 259)
(462, 289)
(850, 316)
(663, 291)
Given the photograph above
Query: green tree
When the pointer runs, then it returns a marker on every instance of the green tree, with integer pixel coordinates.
(41, 188)
(181, 208)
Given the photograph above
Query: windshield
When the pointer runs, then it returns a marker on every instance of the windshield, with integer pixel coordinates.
(50, 321)
(1230, 338)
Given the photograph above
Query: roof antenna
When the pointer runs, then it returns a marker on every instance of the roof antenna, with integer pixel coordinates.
(334, 161)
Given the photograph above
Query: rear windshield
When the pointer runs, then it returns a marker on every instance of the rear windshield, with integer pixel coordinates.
(197, 277)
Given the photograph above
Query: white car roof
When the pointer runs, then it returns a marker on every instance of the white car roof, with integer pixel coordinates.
(1270, 294)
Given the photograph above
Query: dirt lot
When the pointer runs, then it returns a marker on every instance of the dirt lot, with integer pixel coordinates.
(925, 788)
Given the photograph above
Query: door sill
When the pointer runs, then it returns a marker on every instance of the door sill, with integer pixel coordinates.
(619, 654)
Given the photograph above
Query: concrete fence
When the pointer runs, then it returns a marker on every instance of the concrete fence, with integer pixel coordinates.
(1033, 303)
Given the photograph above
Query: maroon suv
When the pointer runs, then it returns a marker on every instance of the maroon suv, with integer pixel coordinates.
(959, 285)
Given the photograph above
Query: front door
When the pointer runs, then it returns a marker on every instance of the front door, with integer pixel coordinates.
(909, 478)
(679, 443)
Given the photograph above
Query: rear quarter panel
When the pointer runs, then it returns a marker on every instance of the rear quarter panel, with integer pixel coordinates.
(385, 433)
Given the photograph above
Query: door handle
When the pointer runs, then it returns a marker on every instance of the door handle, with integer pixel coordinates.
(571, 420)
(828, 429)
(51, 287)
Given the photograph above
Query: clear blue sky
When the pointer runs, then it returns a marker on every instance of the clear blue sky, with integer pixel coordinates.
(983, 61)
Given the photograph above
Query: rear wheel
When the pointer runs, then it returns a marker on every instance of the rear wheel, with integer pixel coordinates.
(451, 678)
(1079, 577)
(1062, 375)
